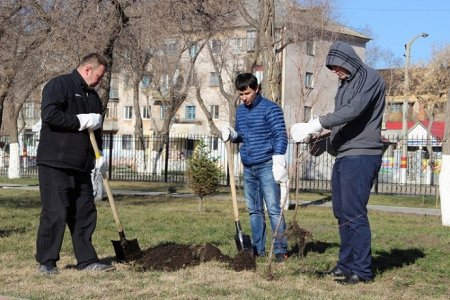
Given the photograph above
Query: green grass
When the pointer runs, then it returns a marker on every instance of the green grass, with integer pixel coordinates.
(410, 254)
(389, 200)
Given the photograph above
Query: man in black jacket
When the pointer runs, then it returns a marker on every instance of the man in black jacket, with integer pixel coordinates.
(70, 107)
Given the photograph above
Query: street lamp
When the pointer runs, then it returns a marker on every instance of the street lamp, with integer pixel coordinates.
(404, 158)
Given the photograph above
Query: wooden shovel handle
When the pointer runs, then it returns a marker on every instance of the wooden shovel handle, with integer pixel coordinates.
(232, 181)
(106, 184)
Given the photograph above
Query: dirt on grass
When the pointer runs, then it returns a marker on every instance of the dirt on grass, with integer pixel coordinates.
(298, 236)
(171, 257)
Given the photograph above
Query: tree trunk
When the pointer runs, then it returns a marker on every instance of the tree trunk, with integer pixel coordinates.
(444, 176)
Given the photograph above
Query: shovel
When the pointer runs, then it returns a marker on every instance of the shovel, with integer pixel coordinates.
(126, 250)
(243, 241)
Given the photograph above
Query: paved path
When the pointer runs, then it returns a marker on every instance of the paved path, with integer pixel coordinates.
(396, 209)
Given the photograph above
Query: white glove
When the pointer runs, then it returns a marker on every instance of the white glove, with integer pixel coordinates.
(228, 133)
(101, 165)
(89, 121)
(279, 168)
(284, 195)
(301, 131)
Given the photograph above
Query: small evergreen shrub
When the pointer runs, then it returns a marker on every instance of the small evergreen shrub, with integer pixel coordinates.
(203, 173)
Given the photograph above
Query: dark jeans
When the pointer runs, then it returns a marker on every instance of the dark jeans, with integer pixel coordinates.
(66, 198)
(352, 180)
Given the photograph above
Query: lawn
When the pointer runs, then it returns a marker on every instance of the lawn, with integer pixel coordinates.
(410, 252)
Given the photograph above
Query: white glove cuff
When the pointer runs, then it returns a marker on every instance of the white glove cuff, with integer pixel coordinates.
(279, 159)
(315, 125)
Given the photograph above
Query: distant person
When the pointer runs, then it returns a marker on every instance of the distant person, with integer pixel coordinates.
(356, 142)
(65, 158)
(261, 129)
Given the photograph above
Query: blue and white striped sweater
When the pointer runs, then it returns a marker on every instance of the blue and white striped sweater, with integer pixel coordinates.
(261, 130)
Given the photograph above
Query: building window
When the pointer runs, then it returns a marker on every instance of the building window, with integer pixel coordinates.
(214, 143)
(240, 45)
(145, 82)
(193, 50)
(190, 112)
(214, 110)
(309, 80)
(29, 110)
(113, 94)
(311, 48)
(251, 39)
(164, 82)
(113, 88)
(214, 79)
(128, 112)
(111, 110)
(216, 46)
(307, 113)
(171, 47)
(395, 107)
(106, 141)
(146, 112)
(190, 146)
(163, 111)
(126, 142)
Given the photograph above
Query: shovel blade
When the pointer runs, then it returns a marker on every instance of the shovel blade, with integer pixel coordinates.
(127, 250)
(243, 243)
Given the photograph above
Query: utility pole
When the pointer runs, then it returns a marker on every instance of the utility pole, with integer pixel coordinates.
(404, 158)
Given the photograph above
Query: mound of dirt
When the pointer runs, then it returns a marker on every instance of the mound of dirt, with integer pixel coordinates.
(171, 257)
(299, 236)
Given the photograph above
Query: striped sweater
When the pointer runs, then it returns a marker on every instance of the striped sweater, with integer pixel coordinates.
(261, 130)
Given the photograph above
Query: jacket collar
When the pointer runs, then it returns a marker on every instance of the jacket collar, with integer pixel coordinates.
(255, 102)
(80, 81)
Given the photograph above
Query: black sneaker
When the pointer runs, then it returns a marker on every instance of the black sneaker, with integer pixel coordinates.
(280, 257)
(99, 267)
(47, 270)
(353, 279)
(336, 272)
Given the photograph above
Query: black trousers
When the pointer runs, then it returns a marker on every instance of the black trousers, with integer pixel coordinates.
(66, 198)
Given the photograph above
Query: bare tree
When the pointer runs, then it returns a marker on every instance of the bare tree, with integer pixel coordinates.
(40, 39)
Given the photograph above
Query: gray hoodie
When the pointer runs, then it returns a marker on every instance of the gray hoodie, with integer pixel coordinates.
(359, 104)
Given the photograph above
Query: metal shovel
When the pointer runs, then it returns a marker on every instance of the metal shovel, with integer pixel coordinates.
(126, 250)
(243, 241)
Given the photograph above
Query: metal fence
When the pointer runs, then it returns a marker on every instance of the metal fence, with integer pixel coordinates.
(164, 159)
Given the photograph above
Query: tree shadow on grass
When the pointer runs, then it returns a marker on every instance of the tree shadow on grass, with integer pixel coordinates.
(396, 258)
(315, 246)
(10, 231)
(22, 202)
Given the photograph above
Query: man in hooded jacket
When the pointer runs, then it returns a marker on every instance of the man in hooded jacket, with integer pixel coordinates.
(356, 142)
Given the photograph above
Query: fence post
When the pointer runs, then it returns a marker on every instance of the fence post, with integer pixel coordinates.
(166, 162)
(110, 154)
(227, 168)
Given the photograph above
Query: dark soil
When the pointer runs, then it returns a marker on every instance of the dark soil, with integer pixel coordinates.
(171, 257)
(298, 236)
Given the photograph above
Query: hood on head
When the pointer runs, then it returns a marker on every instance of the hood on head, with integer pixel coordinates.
(343, 55)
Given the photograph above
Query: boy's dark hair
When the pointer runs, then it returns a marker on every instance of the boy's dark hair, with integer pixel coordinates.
(95, 59)
(245, 80)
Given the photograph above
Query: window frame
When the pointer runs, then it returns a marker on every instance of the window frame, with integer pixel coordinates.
(188, 114)
(128, 112)
(309, 80)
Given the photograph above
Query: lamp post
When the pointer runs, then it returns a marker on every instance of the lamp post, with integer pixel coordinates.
(404, 158)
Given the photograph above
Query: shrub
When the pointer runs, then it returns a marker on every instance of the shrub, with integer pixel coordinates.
(203, 173)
